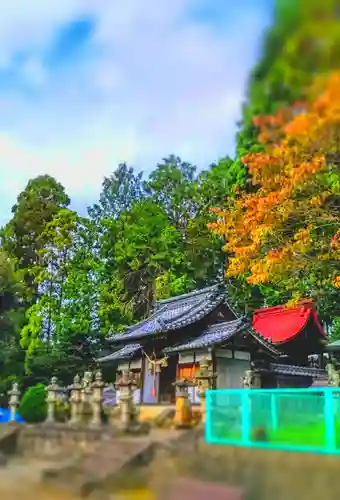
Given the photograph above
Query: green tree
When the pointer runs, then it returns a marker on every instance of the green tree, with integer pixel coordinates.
(159, 245)
(335, 330)
(36, 206)
(172, 185)
(186, 197)
(63, 323)
(119, 191)
(11, 316)
(142, 246)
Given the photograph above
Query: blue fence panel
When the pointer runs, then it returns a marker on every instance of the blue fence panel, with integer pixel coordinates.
(282, 419)
(5, 416)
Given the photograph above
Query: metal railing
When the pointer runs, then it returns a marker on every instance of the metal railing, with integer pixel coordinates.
(305, 420)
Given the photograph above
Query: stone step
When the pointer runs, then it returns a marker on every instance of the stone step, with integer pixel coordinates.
(90, 471)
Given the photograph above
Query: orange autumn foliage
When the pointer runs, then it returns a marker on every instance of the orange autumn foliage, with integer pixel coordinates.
(286, 232)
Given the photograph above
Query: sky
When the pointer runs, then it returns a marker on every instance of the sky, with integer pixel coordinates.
(88, 84)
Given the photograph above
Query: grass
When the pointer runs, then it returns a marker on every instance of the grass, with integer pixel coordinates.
(311, 435)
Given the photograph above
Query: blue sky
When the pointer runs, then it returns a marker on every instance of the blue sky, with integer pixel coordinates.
(87, 84)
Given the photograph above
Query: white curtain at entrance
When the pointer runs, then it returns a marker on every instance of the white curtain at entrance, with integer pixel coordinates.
(137, 396)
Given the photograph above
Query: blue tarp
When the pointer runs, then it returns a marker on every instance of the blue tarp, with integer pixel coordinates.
(5, 416)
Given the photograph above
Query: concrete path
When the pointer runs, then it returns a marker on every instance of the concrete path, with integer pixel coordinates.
(185, 488)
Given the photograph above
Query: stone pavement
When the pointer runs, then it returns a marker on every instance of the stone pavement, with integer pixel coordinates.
(184, 488)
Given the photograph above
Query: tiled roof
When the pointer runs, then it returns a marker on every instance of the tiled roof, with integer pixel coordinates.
(321, 382)
(125, 353)
(267, 344)
(215, 334)
(175, 313)
(304, 371)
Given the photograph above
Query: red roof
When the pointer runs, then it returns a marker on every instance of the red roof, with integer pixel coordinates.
(281, 323)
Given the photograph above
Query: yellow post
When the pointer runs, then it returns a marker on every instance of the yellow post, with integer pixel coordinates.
(183, 413)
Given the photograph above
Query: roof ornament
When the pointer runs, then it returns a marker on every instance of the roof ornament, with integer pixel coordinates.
(154, 368)
(154, 364)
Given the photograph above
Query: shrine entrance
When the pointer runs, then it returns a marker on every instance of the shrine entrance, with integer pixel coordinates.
(167, 392)
(159, 375)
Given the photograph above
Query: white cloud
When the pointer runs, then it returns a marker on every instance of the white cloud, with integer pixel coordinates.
(153, 82)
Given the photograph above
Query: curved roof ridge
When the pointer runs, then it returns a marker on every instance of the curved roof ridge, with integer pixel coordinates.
(212, 335)
(216, 326)
(302, 304)
(267, 343)
(281, 324)
(194, 293)
(126, 352)
(145, 320)
(156, 323)
(201, 311)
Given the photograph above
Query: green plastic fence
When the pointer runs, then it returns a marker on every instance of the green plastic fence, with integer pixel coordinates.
(283, 419)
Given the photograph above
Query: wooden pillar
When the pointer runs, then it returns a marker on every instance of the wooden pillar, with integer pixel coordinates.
(214, 367)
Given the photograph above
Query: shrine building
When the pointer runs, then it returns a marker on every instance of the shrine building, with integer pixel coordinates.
(277, 344)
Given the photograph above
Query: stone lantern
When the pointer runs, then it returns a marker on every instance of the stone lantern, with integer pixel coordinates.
(97, 398)
(183, 413)
(75, 400)
(87, 387)
(86, 396)
(205, 379)
(14, 395)
(252, 378)
(126, 385)
(53, 389)
(248, 379)
(333, 374)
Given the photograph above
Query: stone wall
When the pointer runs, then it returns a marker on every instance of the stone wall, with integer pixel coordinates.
(59, 439)
(9, 435)
(261, 474)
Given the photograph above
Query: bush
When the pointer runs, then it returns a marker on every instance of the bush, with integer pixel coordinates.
(33, 406)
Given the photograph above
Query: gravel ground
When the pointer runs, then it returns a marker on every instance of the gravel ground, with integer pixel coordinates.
(21, 479)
